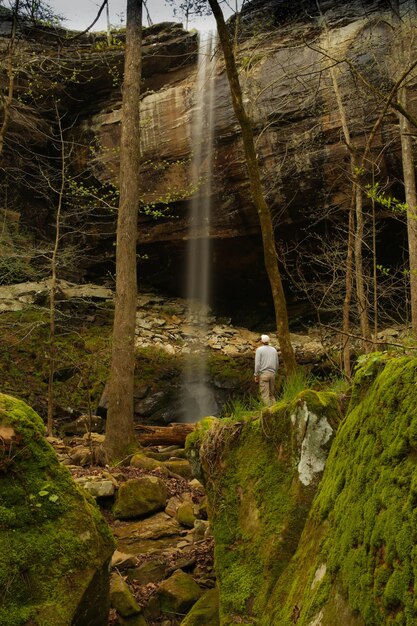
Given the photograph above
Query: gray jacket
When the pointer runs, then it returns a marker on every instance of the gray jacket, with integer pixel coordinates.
(266, 360)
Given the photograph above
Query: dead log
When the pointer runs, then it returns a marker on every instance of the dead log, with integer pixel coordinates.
(171, 435)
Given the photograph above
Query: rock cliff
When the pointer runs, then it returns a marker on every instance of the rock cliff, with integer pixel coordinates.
(284, 56)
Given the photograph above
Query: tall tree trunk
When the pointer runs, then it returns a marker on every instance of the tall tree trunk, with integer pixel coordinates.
(265, 219)
(348, 294)
(357, 233)
(407, 159)
(8, 100)
(411, 200)
(363, 305)
(52, 290)
(120, 439)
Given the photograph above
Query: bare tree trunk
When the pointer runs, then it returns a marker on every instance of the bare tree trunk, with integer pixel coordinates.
(120, 439)
(265, 219)
(348, 295)
(411, 200)
(357, 234)
(52, 289)
(363, 307)
(8, 100)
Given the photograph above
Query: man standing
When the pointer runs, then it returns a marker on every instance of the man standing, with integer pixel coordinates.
(266, 365)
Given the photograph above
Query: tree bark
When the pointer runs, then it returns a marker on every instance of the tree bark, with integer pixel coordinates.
(355, 234)
(174, 434)
(411, 200)
(120, 439)
(264, 214)
(407, 160)
(348, 295)
(8, 100)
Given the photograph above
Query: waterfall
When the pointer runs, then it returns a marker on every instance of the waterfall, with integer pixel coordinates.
(198, 399)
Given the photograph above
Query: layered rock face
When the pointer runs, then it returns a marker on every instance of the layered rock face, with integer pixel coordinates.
(283, 63)
(284, 56)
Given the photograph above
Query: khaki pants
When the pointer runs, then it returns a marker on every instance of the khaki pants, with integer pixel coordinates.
(267, 387)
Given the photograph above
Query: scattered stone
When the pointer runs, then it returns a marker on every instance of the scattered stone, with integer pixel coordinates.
(205, 611)
(185, 514)
(122, 561)
(200, 528)
(195, 484)
(138, 497)
(121, 598)
(96, 487)
(180, 467)
(141, 536)
(173, 505)
(150, 572)
(145, 462)
(178, 593)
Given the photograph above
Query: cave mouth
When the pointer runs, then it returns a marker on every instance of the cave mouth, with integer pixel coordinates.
(240, 291)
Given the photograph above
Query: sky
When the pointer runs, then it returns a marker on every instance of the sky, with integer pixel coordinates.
(81, 13)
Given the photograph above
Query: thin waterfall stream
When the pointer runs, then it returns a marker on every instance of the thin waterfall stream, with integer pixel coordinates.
(198, 398)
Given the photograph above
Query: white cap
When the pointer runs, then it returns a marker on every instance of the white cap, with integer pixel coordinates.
(265, 338)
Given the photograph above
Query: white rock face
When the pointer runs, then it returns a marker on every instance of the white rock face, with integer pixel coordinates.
(314, 432)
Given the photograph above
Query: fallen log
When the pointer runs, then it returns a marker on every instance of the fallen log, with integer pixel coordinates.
(171, 435)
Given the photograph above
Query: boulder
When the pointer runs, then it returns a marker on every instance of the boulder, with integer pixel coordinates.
(205, 611)
(121, 597)
(98, 488)
(144, 461)
(179, 466)
(151, 572)
(178, 593)
(55, 546)
(139, 497)
(185, 514)
(151, 534)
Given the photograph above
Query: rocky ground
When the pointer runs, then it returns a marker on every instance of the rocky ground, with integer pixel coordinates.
(158, 514)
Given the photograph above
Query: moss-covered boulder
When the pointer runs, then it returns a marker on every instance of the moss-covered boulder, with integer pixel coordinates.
(205, 611)
(261, 473)
(55, 546)
(139, 497)
(122, 598)
(185, 514)
(356, 563)
(145, 462)
(179, 466)
(178, 593)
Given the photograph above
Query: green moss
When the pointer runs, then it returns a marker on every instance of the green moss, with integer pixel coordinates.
(53, 538)
(364, 511)
(258, 506)
(205, 611)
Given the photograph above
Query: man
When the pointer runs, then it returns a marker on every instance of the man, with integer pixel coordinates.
(266, 365)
